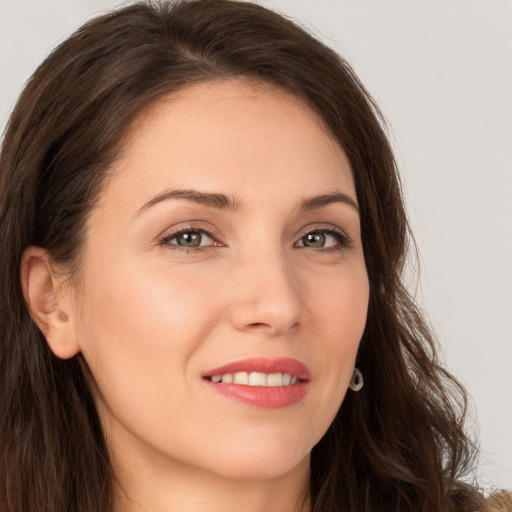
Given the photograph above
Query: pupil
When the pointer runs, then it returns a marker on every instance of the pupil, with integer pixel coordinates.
(315, 239)
(190, 239)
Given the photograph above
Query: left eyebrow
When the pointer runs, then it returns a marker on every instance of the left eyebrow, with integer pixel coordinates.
(316, 202)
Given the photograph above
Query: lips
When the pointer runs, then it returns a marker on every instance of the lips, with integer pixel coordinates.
(287, 381)
(263, 365)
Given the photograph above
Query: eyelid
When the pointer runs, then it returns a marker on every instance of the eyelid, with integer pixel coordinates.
(207, 230)
(326, 228)
(343, 239)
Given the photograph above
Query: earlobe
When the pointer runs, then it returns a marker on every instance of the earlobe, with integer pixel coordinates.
(48, 306)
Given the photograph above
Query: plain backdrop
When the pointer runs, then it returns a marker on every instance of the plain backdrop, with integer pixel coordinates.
(441, 70)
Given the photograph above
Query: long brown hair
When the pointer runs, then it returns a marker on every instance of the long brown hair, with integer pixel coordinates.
(398, 445)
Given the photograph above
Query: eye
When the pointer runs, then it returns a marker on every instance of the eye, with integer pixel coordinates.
(188, 239)
(323, 239)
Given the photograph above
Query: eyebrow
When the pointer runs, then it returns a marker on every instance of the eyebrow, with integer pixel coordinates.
(316, 202)
(211, 200)
(221, 201)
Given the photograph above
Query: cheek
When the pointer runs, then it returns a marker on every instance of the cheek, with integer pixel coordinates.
(336, 328)
(341, 306)
(139, 328)
(154, 308)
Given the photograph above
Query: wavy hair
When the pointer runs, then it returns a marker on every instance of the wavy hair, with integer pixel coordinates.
(398, 445)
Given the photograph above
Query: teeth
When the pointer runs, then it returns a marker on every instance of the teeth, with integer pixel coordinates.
(241, 378)
(275, 379)
(256, 379)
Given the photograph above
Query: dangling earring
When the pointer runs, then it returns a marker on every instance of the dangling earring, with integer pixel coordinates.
(357, 381)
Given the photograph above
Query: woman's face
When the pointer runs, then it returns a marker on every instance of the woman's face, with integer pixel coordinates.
(225, 245)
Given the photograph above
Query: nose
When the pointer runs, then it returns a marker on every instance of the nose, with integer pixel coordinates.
(268, 296)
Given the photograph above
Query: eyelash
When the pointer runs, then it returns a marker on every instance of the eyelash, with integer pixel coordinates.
(342, 238)
(165, 240)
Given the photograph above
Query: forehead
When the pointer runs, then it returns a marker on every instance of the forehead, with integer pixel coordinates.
(231, 134)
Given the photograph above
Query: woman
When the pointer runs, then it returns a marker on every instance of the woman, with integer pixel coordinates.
(204, 210)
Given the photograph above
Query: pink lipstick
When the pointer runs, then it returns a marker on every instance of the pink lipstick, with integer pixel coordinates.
(261, 382)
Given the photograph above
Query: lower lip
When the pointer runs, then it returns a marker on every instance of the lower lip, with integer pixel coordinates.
(268, 397)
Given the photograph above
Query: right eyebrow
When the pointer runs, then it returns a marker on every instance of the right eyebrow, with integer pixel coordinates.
(212, 200)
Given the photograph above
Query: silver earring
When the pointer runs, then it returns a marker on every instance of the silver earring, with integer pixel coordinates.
(357, 381)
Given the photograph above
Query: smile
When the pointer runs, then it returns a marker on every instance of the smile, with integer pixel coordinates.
(255, 379)
(261, 382)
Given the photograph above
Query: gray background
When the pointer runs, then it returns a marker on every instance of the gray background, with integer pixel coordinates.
(442, 73)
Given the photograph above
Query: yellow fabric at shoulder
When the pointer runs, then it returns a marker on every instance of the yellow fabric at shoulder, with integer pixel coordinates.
(500, 501)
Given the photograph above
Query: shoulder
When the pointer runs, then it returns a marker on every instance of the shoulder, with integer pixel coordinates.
(500, 501)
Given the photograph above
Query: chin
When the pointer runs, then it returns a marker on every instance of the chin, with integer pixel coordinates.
(261, 459)
(262, 468)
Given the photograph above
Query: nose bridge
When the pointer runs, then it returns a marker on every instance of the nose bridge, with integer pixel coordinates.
(269, 291)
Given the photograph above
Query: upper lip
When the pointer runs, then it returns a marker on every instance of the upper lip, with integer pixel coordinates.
(263, 365)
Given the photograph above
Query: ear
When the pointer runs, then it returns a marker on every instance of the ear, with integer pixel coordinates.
(48, 304)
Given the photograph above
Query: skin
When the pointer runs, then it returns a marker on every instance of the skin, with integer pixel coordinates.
(150, 316)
